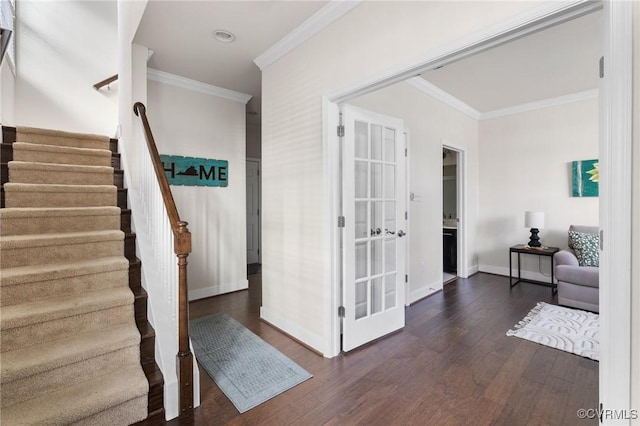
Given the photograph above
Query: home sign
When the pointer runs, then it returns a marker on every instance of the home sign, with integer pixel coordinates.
(191, 171)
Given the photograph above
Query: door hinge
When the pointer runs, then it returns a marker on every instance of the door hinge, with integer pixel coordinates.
(341, 312)
(258, 251)
(258, 172)
(406, 215)
(405, 152)
(340, 221)
(340, 130)
(406, 278)
(602, 67)
(601, 238)
(258, 212)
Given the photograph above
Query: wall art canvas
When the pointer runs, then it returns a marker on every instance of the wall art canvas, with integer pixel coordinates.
(586, 175)
(191, 171)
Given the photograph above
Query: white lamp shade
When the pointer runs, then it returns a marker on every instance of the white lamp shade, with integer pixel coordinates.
(534, 220)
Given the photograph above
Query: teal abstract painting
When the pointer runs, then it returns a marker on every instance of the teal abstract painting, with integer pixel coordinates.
(192, 171)
(586, 175)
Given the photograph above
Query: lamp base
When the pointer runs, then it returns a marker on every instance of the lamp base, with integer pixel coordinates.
(534, 240)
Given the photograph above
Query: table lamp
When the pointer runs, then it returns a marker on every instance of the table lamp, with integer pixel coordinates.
(534, 221)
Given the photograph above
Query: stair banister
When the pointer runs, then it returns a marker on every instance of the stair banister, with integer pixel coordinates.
(106, 82)
(182, 248)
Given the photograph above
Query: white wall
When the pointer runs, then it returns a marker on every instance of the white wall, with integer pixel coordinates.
(428, 121)
(372, 38)
(525, 164)
(194, 124)
(63, 49)
(7, 94)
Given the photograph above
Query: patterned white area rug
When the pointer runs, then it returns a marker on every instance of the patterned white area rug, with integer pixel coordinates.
(562, 328)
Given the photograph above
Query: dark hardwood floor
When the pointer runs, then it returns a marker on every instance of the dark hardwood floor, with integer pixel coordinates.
(451, 365)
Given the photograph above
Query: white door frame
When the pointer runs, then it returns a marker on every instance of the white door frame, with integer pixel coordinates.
(461, 201)
(616, 126)
(257, 160)
(615, 160)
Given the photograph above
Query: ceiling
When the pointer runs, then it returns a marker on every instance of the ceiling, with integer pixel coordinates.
(180, 35)
(559, 61)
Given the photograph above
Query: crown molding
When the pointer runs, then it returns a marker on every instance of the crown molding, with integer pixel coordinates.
(331, 12)
(196, 86)
(545, 103)
(439, 94)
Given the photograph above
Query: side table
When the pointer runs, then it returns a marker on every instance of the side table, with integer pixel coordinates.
(538, 251)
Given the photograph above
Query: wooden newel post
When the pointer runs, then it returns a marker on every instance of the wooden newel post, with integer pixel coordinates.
(182, 248)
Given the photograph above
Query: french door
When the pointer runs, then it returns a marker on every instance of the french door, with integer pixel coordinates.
(374, 206)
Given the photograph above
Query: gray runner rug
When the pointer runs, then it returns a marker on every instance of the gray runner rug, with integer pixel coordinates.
(567, 329)
(246, 368)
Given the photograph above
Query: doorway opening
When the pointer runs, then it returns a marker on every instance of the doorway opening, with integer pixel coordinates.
(253, 216)
(450, 215)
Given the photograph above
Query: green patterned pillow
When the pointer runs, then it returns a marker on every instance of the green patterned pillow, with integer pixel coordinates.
(586, 247)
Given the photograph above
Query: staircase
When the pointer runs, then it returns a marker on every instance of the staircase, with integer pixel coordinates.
(76, 347)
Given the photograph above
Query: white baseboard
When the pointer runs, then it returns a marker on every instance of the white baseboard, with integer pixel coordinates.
(423, 292)
(529, 275)
(310, 339)
(472, 270)
(202, 293)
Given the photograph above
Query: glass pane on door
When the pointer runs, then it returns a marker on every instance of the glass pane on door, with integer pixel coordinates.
(361, 140)
(361, 179)
(377, 298)
(362, 230)
(376, 142)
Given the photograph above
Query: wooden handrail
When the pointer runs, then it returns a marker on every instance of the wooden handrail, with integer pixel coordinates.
(182, 248)
(105, 82)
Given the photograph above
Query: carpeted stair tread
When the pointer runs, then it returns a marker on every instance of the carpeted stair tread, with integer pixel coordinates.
(56, 308)
(75, 403)
(39, 195)
(34, 273)
(25, 250)
(65, 238)
(61, 138)
(32, 360)
(25, 284)
(61, 174)
(40, 220)
(41, 153)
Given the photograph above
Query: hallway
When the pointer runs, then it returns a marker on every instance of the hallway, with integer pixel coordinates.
(452, 364)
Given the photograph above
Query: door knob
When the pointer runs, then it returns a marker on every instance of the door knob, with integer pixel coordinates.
(401, 233)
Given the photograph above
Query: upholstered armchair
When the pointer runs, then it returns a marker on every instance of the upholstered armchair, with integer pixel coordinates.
(578, 278)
